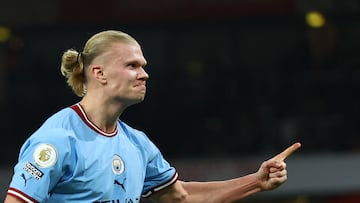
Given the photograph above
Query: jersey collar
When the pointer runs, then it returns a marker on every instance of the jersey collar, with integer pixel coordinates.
(80, 111)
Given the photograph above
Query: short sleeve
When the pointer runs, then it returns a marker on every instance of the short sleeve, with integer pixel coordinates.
(159, 173)
(44, 160)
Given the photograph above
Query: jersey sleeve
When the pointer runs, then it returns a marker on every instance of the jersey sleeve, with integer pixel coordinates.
(44, 160)
(159, 173)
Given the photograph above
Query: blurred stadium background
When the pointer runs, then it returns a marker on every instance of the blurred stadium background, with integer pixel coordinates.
(231, 84)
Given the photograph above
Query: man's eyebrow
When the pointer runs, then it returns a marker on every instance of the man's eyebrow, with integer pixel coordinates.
(138, 62)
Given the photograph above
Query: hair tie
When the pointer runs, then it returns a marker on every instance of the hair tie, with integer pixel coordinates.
(78, 56)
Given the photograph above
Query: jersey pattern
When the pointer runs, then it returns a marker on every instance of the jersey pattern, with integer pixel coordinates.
(68, 159)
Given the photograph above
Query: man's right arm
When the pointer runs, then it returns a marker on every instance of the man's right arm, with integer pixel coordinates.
(11, 199)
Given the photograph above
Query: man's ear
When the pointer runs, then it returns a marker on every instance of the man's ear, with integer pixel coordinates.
(98, 74)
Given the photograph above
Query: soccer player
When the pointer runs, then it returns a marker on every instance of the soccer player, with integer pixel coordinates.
(85, 153)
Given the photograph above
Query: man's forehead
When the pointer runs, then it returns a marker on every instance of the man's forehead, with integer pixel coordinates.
(129, 52)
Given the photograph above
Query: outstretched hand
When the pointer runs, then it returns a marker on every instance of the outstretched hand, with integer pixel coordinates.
(272, 173)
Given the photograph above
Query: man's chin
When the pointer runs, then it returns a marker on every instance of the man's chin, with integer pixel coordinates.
(138, 100)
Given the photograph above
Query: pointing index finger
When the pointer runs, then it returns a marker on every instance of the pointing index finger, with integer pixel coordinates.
(287, 152)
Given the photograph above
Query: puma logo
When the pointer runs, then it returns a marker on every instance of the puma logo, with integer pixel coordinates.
(122, 185)
(25, 179)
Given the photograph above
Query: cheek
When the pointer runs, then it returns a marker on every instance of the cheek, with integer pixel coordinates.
(122, 79)
(120, 82)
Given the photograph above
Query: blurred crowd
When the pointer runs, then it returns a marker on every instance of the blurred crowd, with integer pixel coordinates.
(215, 89)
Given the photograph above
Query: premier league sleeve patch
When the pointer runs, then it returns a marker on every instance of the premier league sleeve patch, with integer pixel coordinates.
(45, 155)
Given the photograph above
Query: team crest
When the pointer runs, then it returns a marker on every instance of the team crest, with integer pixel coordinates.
(45, 155)
(118, 165)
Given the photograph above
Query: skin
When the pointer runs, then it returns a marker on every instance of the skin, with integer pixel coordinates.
(271, 174)
(117, 80)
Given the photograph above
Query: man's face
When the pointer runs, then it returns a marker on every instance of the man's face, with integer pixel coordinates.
(125, 74)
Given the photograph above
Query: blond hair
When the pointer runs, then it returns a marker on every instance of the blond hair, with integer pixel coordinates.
(74, 63)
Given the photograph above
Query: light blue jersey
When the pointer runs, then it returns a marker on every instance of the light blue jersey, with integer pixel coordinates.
(68, 159)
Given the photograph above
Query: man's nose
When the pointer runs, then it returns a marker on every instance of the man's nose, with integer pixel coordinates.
(143, 74)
